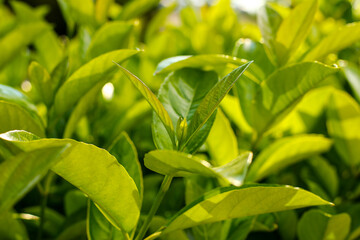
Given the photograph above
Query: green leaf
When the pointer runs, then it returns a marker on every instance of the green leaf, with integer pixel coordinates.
(78, 11)
(102, 9)
(17, 39)
(212, 100)
(287, 222)
(250, 49)
(137, 8)
(181, 94)
(231, 107)
(82, 107)
(18, 118)
(153, 101)
(100, 69)
(337, 40)
(326, 173)
(206, 61)
(287, 151)
(267, 104)
(179, 164)
(98, 227)
(111, 36)
(74, 231)
(23, 171)
(343, 124)
(95, 172)
(269, 20)
(123, 149)
(352, 74)
(317, 225)
(41, 81)
(74, 201)
(235, 171)
(235, 202)
(221, 142)
(12, 95)
(294, 29)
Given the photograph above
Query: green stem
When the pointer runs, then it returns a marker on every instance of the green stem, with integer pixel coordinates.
(46, 188)
(159, 197)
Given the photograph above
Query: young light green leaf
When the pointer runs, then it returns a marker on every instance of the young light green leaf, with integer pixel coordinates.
(20, 173)
(343, 124)
(180, 164)
(235, 202)
(41, 81)
(231, 107)
(289, 84)
(101, 10)
(200, 61)
(19, 38)
(137, 8)
(79, 11)
(269, 20)
(267, 104)
(12, 95)
(153, 101)
(95, 172)
(294, 29)
(317, 225)
(17, 118)
(352, 74)
(250, 49)
(221, 142)
(212, 100)
(99, 69)
(111, 36)
(81, 108)
(285, 152)
(334, 42)
(235, 171)
(177, 164)
(181, 94)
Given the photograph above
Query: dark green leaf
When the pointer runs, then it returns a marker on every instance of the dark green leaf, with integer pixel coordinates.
(23, 171)
(212, 100)
(317, 225)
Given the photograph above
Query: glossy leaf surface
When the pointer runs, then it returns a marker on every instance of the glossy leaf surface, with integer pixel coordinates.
(231, 202)
(95, 172)
(212, 100)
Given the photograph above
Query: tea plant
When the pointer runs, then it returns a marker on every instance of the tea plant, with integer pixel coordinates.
(242, 138)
